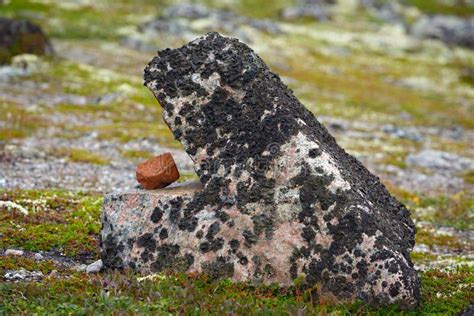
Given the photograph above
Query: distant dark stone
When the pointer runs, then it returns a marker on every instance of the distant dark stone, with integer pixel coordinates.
(318, 10)
(21, 37)
(451, 30)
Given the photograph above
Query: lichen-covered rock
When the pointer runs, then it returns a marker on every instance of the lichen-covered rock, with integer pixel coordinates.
(21, 37)
(280, 199)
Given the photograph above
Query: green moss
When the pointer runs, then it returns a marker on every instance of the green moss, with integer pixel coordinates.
(187, 176)
(456, 210)
(80, 155)
(443, 293)
(125, 131)
(419, 257)
(430, 239)
(57, 220)
(397, 159)
(99, 21)
(30, 264)
(454, 7)
(271, 9)
(136, 154)
(469, 177)
(447, 293)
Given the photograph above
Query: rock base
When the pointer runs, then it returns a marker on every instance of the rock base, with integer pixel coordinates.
(132, 226)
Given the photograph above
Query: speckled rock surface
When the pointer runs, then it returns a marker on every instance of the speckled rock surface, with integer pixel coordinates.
(280, 199)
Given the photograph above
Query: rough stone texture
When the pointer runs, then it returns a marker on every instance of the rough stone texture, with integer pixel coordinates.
(280, 199)
(21, 37)
(157, 172)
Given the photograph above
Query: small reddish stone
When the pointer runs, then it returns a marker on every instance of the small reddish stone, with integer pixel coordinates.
(157, 172)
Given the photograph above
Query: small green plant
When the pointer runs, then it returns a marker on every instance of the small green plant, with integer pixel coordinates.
(136, 154)
(80, 155)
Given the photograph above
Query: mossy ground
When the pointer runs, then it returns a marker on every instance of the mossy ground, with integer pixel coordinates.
(62, 221)
(352, 68)
(445, 293)
(68, 223)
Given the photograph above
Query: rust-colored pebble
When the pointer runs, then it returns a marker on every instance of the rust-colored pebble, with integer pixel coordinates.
(157, 172)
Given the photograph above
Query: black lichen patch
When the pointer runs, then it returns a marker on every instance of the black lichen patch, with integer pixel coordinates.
(156, 215)
(250, 238)
(167, 258)
(205, 247)
(234, 244)
(213, 230)
(111, 251)
(163, 233)
(199, 234)
(148, 242)
(315, 152)
(220, 268)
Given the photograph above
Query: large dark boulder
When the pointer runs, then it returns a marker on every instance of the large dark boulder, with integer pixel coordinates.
(279, 199)
(21, 37)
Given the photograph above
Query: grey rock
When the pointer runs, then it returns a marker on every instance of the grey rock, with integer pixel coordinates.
(80, 267)
(38, 256)
(317, 11)
(94, 267)
(468, 311)
(388, 11)
(22, 275)
(138, 43)
(14, 252)
(402, 133)
(108, 98)
(441, 182)
(165, 25)
(435, 159)
(421, 248)
(278, 198)
(190, 11)
(8, 72)
(449, 29)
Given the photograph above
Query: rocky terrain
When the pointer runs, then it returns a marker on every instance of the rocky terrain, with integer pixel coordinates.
(395, 92)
